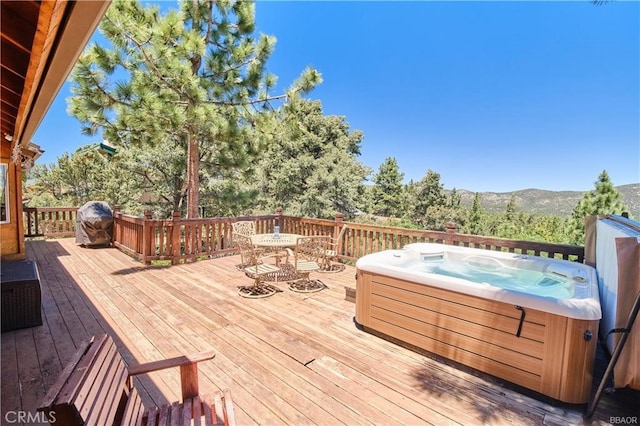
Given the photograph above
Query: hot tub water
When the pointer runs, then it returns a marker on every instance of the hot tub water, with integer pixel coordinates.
(488, 271)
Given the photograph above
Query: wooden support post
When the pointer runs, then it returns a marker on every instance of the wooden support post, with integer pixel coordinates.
(147, 238)
(189, 380)
(279, 220)
(175, 238)
(116, 237)
(339, 222)
(450, 229)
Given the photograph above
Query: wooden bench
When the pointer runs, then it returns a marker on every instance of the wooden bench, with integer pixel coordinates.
(96, 388)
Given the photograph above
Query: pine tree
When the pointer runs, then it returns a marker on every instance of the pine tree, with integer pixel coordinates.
(604, 199)
(429, 193)
(476, 216)
(83, 176)
(511, 208)
(508, 224)
(194, 77)
(454, 199)
(388, 191)
(311, 168)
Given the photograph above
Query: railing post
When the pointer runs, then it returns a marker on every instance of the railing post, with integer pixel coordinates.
(175, 238)
(337, 227)
(29, 213)
(147, 238)
(450, 229)
(279, 220)
(339, 221)
(39, 222)
(116, 237)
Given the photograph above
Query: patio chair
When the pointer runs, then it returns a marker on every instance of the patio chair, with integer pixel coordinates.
(96, 388)
(242, 228)
(248, 228)
(256, 269)
(310, 254)
(331, 254)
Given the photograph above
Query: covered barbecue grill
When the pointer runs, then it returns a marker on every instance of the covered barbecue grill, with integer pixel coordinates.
(94, 224)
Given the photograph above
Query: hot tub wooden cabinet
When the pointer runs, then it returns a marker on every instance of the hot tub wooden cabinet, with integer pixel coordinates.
(553, 355)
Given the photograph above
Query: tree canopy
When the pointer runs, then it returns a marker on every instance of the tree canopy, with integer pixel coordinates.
(195, 78)
(388, 192)
(310, 168)
(603, 199)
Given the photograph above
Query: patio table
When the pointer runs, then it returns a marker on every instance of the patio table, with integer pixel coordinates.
(278, 244)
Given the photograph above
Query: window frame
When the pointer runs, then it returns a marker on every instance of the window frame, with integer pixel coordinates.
(4, 175)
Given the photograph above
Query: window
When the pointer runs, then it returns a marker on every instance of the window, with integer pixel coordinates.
(4, 193)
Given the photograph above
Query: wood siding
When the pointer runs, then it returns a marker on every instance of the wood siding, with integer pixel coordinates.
(11, 233)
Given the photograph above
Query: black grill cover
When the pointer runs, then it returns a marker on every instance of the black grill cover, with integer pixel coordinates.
(94, 224)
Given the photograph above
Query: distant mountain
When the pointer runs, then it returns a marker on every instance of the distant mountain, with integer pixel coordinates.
(557, 203)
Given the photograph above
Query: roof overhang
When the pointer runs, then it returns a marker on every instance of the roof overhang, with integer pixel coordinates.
(41, 42)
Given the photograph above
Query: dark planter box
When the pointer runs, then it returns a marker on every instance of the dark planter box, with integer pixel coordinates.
(21, 297)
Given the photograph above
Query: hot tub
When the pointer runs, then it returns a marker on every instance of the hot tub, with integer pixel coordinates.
(529, 320)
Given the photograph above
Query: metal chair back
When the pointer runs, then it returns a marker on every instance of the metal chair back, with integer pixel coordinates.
(244, 227)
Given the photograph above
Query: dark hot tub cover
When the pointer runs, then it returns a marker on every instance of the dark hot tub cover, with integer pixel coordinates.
(94, 224)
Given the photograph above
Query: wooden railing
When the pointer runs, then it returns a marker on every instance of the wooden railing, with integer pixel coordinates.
(362, 239)
(49, 221)
(178, 239)
(181, 240)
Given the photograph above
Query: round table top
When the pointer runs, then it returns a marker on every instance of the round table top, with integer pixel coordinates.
(270, 240)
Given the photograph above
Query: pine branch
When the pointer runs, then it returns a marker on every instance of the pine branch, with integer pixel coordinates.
(150, 64)
(105, 93)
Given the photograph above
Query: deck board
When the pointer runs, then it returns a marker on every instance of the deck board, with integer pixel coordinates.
(288, 359)
(10, 385)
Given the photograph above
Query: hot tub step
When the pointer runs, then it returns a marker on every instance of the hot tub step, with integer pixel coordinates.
(350, 294)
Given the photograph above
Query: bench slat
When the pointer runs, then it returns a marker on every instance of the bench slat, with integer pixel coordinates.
(197, 411)
(209, 416)
(76, 379)
(133, 410)
(113, 393)
(187, 411)
(151, 417)
(53, 392)
(229, 413)
(95, 389)
(218, 403)
(221, 411)
(163, 417)
(176, 414)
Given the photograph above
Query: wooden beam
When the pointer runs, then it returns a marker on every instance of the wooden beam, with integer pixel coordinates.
(49, 19)
(81, 19)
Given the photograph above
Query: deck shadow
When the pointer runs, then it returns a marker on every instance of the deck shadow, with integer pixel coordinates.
(69, 316)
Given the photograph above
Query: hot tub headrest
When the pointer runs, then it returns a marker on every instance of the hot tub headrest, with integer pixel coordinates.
(567, 271)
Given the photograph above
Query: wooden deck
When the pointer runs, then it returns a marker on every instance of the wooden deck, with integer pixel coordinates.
(288, 359)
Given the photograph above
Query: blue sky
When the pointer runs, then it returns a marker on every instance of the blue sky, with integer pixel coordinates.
(493, 96)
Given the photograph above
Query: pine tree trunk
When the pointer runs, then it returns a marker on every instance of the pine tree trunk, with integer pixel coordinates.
(193, 181)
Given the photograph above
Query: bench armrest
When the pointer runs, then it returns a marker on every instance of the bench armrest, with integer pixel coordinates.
(163, 364)
(188, 370)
